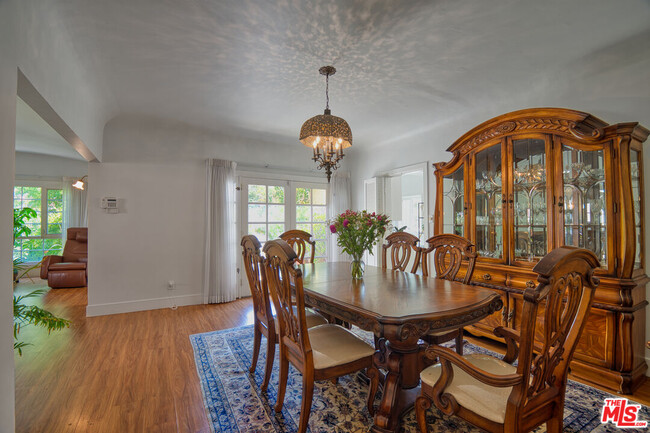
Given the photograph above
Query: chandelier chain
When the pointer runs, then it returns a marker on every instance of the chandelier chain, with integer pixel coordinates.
(327, 91)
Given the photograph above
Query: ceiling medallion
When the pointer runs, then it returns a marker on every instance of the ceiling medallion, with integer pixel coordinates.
(325, 134)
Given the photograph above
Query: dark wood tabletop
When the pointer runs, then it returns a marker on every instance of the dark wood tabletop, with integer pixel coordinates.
(399, 308)
(391, 297)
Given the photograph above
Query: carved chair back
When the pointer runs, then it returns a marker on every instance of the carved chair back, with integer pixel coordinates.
(285, 285)
(555, 313)
(449, 253)
(553, 316)
(253, 264)
(299, 240)
(401, 246)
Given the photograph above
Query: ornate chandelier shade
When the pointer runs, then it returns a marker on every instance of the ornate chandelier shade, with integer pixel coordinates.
(325, 134)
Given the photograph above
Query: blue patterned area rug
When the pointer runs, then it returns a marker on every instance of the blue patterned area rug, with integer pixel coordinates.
(234, 402)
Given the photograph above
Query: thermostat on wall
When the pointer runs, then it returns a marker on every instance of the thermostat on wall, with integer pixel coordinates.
(109, 204)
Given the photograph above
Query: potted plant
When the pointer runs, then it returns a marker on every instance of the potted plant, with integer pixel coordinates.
(34, 315)
(29, 314)
(358, 232)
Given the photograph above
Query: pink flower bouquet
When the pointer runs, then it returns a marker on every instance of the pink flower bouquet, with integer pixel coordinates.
(358, 232)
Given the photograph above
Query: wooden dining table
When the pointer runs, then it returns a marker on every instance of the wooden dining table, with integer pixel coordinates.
(399, 308)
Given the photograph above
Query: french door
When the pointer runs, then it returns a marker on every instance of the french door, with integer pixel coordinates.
(270, 207)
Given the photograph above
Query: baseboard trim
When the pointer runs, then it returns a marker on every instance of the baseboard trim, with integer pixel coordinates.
(142, 305)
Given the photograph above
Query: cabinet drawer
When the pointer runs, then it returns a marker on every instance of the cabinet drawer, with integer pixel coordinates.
(489, 277)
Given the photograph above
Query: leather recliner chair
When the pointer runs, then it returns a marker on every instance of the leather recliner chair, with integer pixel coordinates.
(70, 269)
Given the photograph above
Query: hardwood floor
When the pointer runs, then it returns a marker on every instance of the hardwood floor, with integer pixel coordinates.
(123, 373)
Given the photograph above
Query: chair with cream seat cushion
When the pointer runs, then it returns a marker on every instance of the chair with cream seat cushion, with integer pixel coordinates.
(487, 401)
(498, 397)
(262, 308)
(449, 253)
(319, 353)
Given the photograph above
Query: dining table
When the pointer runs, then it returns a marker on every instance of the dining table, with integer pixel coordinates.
(398, 308)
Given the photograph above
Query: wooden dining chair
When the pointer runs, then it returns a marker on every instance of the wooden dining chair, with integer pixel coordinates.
(449, 252)
(300, 241)
(499, 397)
(319, 353)
(263, 318)
(401, 246)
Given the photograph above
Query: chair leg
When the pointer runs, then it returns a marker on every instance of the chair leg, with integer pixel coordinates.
(334, 380)
(307, 396)
(257, 339)
(555, 424)
(282, 385)
(270, 356)
(422, 404)
(459, 342)
(373, 375)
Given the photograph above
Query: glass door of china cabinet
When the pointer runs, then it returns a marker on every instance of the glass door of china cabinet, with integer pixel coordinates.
(454, 209)
(488, 201)
(528, 199)
(584, 203)
(637, 182)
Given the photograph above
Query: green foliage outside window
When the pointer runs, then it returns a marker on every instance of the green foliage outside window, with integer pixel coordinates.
(45, 223)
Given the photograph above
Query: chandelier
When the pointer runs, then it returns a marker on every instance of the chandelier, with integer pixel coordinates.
(325, 134)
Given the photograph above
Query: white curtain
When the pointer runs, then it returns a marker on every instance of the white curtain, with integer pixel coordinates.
(220, 260)
(338, 202)
(75, 210)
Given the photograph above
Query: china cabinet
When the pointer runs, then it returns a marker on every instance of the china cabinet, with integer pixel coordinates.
(524, 183)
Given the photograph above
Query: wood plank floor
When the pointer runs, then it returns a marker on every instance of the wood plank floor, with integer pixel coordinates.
(122, 373)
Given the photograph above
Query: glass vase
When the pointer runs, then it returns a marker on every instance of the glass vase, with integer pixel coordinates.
(357, 267)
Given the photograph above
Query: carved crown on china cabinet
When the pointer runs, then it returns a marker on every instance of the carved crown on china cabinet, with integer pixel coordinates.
(523, 183)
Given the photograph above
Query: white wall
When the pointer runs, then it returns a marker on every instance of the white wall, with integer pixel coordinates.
(156, 170)
(37, 165)
(30, 39)
(611, 85)
(47, 57)
(8, 79)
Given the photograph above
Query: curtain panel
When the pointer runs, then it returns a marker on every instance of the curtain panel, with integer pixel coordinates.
(220, 258)
(338, 202)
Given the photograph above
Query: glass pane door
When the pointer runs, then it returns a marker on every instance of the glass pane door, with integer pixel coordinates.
(584, 201)
(311, 216)
(265, 210)
(489, 217)
(529, 195)
(453, 202)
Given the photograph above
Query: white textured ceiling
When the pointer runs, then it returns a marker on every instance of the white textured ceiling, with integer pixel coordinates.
(34, 135)
(252, 65)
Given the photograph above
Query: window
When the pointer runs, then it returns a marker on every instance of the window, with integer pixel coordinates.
(46, 227)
